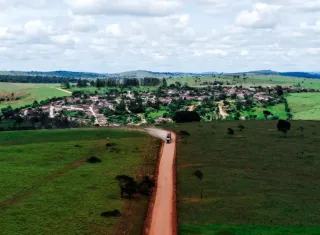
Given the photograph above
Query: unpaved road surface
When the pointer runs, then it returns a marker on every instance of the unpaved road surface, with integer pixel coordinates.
(223, 113)
(164, 218)
(60, 89)
(51, 115)
(94, 114)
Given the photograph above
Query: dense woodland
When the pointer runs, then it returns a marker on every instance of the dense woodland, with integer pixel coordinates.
(118, 82)
(35, 79)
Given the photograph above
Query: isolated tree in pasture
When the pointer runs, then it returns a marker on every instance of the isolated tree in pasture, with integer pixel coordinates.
(127, 185)
(114, 213)
(93, 159)
(65, 85)
(199, 175)
(230, 131)
(241, 127)
(244, 79)
(283, 126)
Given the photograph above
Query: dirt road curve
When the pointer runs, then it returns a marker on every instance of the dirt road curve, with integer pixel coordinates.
(163, 218)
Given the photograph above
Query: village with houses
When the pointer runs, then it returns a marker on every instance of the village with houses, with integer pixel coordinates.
(154, 106)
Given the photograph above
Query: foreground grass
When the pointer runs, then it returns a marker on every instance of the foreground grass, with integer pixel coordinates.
(247, 230)
(50, 189)
(30, 92)
(305, 106)
(255, 182)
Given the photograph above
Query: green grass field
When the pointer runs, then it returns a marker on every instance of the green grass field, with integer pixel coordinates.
(277, 110)
(304, 106)
(253, 80)
(255, 182)
(47, 187)
(29, 93)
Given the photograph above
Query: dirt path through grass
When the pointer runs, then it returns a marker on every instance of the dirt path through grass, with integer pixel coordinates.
(223, 113)
(60, 89)
(163, 217)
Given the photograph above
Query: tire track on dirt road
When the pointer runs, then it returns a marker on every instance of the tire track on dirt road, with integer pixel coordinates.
(162, 215)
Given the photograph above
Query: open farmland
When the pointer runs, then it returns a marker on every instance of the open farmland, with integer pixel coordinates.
(254, 182)
(304, 106)
(251, 80)
(277, 110)
(50, 189)
(27, 93)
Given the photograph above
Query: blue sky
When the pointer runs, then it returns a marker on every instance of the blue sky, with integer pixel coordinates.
(160, 35)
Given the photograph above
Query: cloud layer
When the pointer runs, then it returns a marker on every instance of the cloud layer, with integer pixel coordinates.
(161, 35)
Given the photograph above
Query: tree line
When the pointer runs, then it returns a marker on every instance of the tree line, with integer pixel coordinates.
(35, 79)
(119, 82)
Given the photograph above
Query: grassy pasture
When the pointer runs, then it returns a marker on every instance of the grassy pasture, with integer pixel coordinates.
(28, 93)
(50, 189)
(253, 80)
(304, 106)
(255, 182)
(277, 110)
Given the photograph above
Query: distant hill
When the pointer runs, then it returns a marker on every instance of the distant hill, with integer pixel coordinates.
(88, 75)
(301, 74)
(68, 74)
(145, 73)
(313, 75)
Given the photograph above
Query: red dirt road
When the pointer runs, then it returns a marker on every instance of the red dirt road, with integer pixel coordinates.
(163, 215)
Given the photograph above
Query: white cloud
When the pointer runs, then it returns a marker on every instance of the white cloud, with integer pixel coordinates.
(82, 23)
(262, 16)
(315, 27)
(307, 5)
(37, 28)
(244, 53)
(114, 36)
(114, 30)
(65, 39)
(313, 51)
(215, 52)
(132, 7)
